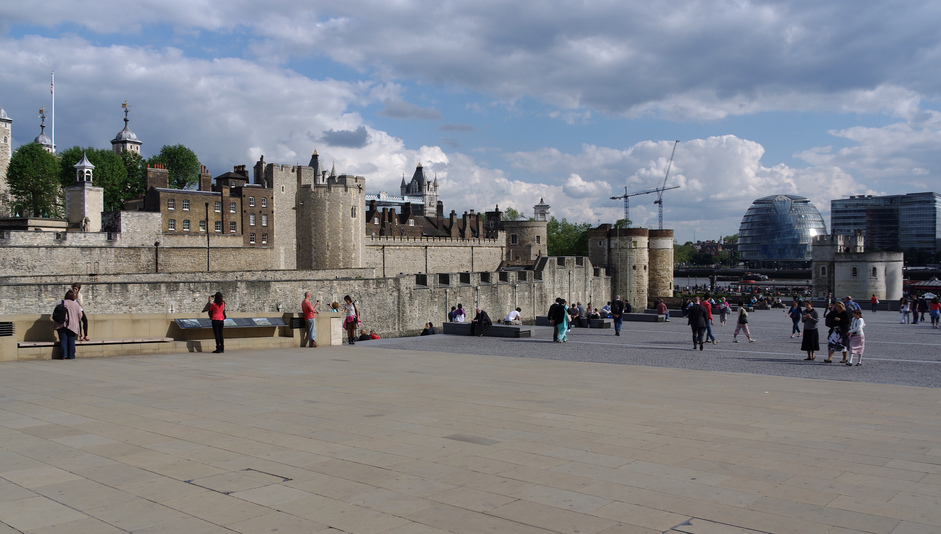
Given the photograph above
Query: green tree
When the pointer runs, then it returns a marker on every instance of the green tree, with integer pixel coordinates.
(512, 214)
(135, 168)
(622, 223)
(182, 165)
(683, 254)
(110, 173)
(567, 239)
(33, 177)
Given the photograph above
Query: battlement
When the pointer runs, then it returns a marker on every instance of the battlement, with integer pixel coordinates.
(437, 241)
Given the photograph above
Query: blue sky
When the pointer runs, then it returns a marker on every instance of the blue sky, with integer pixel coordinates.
(508, 103)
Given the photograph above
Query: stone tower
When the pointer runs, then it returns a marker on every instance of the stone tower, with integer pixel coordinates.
(541, 211)
(283, 182)
(661, 264)
(83, 201)
(126, 140)
(421, 187)
(6, 152)
(42, 139)
(331, 226)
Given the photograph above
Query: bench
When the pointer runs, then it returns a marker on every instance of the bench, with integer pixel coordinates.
(495, 330)
(645, 317)
(602, 323)
(25, 344)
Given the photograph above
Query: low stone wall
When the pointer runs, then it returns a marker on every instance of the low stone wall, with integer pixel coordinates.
(394, 306)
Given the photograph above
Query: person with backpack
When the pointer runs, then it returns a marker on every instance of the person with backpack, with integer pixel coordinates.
(617, 311)
(67, 320)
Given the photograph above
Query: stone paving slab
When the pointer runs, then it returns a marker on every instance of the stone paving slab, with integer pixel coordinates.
(372, 439)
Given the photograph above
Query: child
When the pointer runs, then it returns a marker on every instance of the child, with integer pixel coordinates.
(857, 337)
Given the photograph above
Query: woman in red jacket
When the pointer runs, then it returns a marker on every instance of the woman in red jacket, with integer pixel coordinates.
(217, 316)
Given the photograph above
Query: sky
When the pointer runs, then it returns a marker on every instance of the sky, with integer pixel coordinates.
(506, 103)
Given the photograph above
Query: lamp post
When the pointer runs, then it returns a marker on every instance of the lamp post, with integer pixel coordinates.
(207, 237)
(156, 256)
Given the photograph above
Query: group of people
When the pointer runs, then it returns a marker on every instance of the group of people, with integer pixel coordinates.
(845, 334)
(351, 320)
(913, 310)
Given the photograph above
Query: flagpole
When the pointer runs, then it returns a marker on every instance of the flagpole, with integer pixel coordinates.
(52, 89)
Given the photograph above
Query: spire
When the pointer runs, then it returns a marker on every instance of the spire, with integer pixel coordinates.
(333, 170)
(43, 139)
(83, 170)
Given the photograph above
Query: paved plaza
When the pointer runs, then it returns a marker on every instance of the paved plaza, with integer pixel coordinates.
(634, 434)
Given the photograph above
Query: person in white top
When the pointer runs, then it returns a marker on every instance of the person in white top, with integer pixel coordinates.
(857, 337)
(513, 317)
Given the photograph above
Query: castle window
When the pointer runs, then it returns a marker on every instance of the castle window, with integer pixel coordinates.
(855, 272)
(513, 239)
(823, 271)
(251, 220)
(353, 212)
(411, 222)
(875, 273)
(171, 203)
(231, 207)
(171, 225)
(264, 202)
(538, 239)
(251, 239)
(233, 227)
(186, 205)
(186, 225)
(634, 267)
(202, 226)
(264, 220)
(251, 202)
(218, 207)
(264, 239)
(219, 227)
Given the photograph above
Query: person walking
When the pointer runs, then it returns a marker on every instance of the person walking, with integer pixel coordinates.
(70, 326)
(874, 302)
(724, 311)
(555, 318)
(310, 316)
(708, 306)
(617, 312)
(742, 325)
(857, 337)
(904, 309)
(352, 319)
(696, 319)
(811, 341)
(217, 316)
(563, 326)
(934, 311)
(795, 314)
(837, 340)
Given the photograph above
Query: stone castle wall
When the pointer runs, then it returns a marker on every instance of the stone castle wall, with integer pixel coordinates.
(394, 306)
(660, 278)
(6, 152)
(283, 182)
(390, 256)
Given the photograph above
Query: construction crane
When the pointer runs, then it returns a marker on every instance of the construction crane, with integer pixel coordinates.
(659, 190)
(662, 188)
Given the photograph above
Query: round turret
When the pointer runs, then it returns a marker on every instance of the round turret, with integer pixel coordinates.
(660, 282)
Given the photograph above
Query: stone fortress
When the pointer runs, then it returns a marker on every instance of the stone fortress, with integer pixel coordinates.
(842, 266)
(265, 238)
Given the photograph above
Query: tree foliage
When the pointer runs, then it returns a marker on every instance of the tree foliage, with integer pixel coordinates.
(567, 239)
(111, 174)
(512, 214)
(182, 165)
(33, 177)
(622, 223)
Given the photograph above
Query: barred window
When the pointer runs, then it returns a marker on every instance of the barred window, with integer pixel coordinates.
(171, 225)
(171, 203)
(251, 238)
(264, 202)
(186, 225)
(219, 227)
(218, 207)
(251, 202)
(251, 219)
(202, 226)
(231, 207)
(264, 220)
(264, 239)
(233, 227)
(186, 205)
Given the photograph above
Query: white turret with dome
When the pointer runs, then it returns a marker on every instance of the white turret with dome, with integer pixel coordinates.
(126, 140)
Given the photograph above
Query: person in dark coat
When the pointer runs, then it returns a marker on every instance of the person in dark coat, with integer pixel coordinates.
(696, 318)
(555, 316)
(811, 342)
(480, 323)
(838, 337)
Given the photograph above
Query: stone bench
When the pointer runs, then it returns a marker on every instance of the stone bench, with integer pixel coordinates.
(91, 342)
(602, 323)
(644, 317)
(495, 330)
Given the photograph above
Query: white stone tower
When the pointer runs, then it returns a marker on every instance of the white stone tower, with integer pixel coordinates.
(6, 152)
(126, 140)
(541, 211)
(83, 201)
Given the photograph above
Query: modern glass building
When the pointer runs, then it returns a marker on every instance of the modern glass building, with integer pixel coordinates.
(890, 223)
(777, 231)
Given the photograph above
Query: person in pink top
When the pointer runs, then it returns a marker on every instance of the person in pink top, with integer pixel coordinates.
(217, 316)
(71, 328)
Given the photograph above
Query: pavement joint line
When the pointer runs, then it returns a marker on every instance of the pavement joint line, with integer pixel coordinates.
(664, 347)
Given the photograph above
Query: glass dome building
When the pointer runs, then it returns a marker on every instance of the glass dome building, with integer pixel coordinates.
(777, 231)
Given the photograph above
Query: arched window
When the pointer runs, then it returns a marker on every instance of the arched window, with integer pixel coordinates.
(875, 273)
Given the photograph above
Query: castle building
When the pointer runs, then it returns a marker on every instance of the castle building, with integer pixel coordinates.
(6, 152)
(641, 261)
(526, 241)
(842, 266)
(419, 186)
(84, 201)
